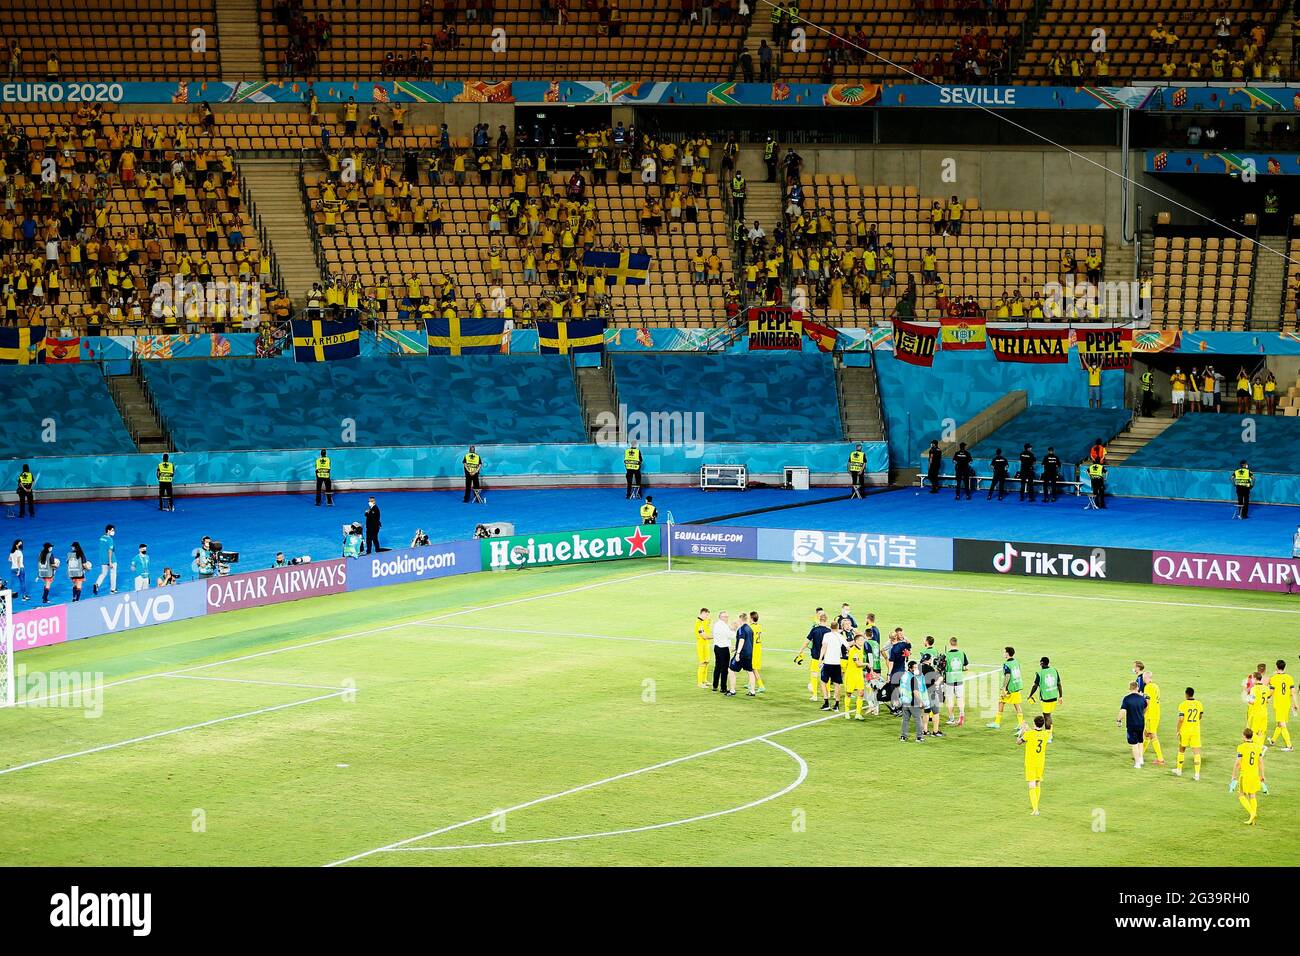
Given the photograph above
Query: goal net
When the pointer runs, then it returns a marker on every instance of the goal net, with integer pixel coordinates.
(6, 648)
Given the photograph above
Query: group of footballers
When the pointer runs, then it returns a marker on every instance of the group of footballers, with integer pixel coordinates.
(848, 661)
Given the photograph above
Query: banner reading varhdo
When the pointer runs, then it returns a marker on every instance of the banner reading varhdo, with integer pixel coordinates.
(570, 547)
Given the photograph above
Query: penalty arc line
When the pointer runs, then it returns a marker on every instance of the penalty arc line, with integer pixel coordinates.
(579, 789)
(802, 776)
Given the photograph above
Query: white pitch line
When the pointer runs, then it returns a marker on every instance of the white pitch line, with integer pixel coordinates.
(167, 733)
(264, 683)
(579, 789)
(1042, 594)
(354, 634)
(803, 775)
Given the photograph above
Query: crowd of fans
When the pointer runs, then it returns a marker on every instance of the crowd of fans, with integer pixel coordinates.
(58, 231)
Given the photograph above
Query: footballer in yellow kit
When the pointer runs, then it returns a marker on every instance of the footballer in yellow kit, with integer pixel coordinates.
(1035, 742)
(1248, 773)
(1151, 732)
(1281, 688)
(854, 682)
(703, 647)
(1257, 709)
(1190, 717)
(757, 654)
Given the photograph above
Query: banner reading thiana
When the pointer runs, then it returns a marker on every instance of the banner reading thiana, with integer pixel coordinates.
(570, 547)
(775, 328)
(1052, 560)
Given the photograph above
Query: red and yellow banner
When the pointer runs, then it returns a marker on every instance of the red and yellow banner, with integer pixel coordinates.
(62, 351)
(915, 344)
(963, 333)
(1037, 346)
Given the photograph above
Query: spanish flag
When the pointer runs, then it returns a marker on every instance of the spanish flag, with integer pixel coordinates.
(323, 341)
(620, 268)
(457, 336)
(24, 346)
(563, 337)
(823, 337)
(62, 351)
(915, 344)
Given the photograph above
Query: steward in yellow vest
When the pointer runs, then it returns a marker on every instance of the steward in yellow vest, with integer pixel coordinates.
(1244, 479)
(166, 484)
(323, 481)
(473, 466)
(26, 495)
(632, 471)
(857, 470)
(649, 513)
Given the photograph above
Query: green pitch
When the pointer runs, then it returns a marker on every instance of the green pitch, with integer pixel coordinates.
(410, 717)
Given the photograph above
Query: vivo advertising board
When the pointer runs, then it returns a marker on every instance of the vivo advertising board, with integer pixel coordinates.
(415, 564)
(132, 609)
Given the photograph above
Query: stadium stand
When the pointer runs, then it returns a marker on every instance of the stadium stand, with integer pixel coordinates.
(261, 403)
(455, 40)
(1146, 41)
(109, 40)
(1213, 442)
(75, 396)
(441, 237)
(1201, 282)
(138, 199)
(776, 398)
(1070, 430)
(930, 39)
(999, 257)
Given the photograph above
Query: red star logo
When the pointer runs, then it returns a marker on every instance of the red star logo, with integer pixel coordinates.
(637, 541)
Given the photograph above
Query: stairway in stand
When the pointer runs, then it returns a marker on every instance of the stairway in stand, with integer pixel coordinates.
(273, 188)
(1129, 443)
(137, 413)
(1266, 284)
(238, 24)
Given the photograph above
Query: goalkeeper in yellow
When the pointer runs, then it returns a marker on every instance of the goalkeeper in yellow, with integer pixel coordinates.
(703, 647)
(855, 683)
(1248, 774)
(1281, 688)
(1035, 742)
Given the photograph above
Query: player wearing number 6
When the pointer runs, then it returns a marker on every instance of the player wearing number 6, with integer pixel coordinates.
(1248, 774)
(1190, 717)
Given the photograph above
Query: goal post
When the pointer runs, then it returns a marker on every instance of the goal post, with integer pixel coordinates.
(6, 648)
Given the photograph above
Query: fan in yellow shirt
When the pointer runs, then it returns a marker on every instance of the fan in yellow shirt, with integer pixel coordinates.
(1190, 717)
(703, 641)
(1248, 774)
(1281, 687)
(1035, 743)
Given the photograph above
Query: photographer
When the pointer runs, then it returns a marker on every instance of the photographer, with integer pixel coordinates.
(481, 531)
(168, 578)
(352, 540)
(280, 562)
(421, 540)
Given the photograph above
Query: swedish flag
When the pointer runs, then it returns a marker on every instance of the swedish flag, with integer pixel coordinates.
(25, 346)
(457, 336)
(620, 268)
(561, 338)
(324, 341)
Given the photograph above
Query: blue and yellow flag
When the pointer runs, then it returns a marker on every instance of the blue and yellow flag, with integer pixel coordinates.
(620, 268)
(24, 346)
(457, 336)
(561, 338)
(325, 341)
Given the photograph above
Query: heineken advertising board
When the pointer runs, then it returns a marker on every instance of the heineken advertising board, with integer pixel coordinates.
(570, 547)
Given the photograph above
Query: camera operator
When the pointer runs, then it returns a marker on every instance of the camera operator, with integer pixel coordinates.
(280, 562)
(481, 531)
(205, 560)
(352, 540)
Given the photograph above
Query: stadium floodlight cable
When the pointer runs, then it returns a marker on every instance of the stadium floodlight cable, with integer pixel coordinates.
(800, 18)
